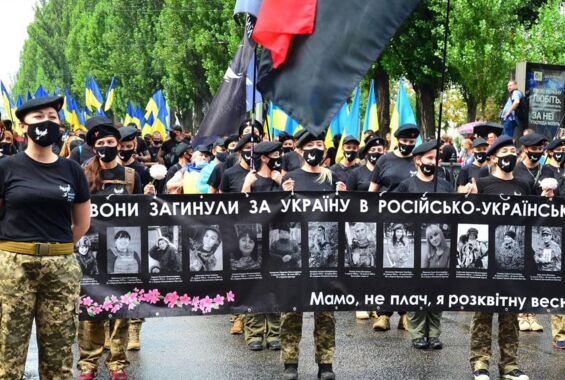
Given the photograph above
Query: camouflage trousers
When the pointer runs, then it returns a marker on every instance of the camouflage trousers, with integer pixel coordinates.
(91, 336)
(558, 327)
(259, 326)
(481, 340)
(45, 289)
(424, 324)
(324, 336)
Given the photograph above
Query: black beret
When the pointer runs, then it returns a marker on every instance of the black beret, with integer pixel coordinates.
(203, 149)
(533, 139)
(244, 140)
(425, 148)
(128, 133)
(283, 136)
(249, 123)
(371, 142)
(409, 131)
(230, 139)
(177, 128)
(55, 102)
(310, 136)
(500, 142)
(299, 134)
(181, 148)
(350, 139)
(220, 141)
(555, 143)
(100, 127)
(479, 141)
(266, 147)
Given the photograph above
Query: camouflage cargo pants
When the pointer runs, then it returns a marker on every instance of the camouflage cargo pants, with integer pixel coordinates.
(558, 327)
(324, 336)
(45, 289)
(91, 336)
(259, 326)
(481, 340)
(424, 324)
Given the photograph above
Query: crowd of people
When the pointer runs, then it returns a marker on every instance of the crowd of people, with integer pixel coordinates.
(39, 229)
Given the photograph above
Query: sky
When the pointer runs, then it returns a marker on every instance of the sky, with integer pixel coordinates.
(16, 16)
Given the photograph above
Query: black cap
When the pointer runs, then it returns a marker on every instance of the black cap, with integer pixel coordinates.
(424, 148)
(479, 141)
(283, 136)
(181, 148)
(310, 136)
(500, 142)
(244, 140)
(177, 128)
(371, 142)
(128, 133)
(555, 143)
(220, 141)
(204, 149)
(230, 139)
(409, 131)
(532, 139)
(249, 123)
(350, 139)
(266, 147)
(100, 127)
(55, 102)
(299, 134)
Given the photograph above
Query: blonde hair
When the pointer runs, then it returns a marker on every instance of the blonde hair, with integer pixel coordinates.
(325, 176)
(66, 149)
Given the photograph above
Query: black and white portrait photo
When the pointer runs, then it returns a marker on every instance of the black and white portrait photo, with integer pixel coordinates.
(398, 245)
(436, 244)
(509, 247)
(284, 247)
(361, 249)
(322, 244)
(164, 244)
(86, 251)
(205, 247)
(124, 245)
(245, 247)
(472, 246)
(546, 246)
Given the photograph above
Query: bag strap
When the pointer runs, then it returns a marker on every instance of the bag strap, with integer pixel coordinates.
(129, 179)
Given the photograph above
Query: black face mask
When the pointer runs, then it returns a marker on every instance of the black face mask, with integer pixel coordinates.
(313, 157)
(373, 157)
(427, 170)
(246, 154)
(157, 143)
(507, 163)
(559, 157)
(125, 155)
(107, 153)
(405, 149)
(481, 157)
(287, 149)
(44, 133)
(534, 157)
(350, 155)
(221, 156)
(5, 148)
(274, 164)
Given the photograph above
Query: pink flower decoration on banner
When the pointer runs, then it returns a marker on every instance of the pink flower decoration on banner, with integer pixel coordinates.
(219, 300)
(171, 299)
(230, 296)
(206, 304)
(107, 305)
(86, 301)
(151, 296)
(184, 299)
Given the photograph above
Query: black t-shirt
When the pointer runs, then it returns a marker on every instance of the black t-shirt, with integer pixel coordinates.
(231, 160)
(118, 174)
(468, 172)
(341, 173)
(416, 185)
(360, 179)
(216, 176)
(81, 153)
(265, 185)
(390, 170)
(153, 152)
(495, 185)
(232, 180)
(529, 175)
(142, 171)
(38, 198)
(485, 171)
(141, 146)
(291, 161)
(305, 181)
(169, 156)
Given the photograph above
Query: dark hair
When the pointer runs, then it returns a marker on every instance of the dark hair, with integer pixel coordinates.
(396, 241)
(122, 234)
(250, 235)
(213, 229)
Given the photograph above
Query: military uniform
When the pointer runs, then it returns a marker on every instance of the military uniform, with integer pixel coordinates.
(558, 327)
(324, 336)
(258, 326)
(481, 338)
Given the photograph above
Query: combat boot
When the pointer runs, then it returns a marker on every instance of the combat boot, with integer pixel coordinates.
(403, 322)
(290, 371)
(325, 372)
(362, 315)
(523, 322)
(134, 331)
(237, 327)
(118, 375)
(534, 324)
(382, 323)
(87, 375)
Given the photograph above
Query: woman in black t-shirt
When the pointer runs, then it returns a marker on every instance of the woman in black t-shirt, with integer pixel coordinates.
(44, 209)
(360, 178)
(310, 177)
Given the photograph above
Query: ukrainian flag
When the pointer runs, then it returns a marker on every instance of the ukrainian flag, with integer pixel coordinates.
(371, 122)
(157, 107)
(110, 95)
(352, 125)
(401, 114)
(7, 101)
(129, 115)
(40, 92)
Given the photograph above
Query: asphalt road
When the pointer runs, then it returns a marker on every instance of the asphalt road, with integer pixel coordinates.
(201, 348)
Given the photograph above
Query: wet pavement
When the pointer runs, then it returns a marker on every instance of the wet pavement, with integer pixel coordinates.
(201, 348)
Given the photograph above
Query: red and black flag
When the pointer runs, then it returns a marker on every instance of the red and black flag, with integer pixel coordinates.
(321, 69)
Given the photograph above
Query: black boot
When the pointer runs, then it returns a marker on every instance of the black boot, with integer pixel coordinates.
(325, 372)
(290, 371)
(420, 343)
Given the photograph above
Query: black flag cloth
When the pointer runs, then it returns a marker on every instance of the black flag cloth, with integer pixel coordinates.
(322, 69)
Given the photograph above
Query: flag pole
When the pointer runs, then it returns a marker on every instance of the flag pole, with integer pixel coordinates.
(443, 68)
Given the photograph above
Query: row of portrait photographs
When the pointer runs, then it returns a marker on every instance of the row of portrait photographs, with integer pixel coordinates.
(243, 246)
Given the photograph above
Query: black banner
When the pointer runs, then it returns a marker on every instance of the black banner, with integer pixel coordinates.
(271, 252)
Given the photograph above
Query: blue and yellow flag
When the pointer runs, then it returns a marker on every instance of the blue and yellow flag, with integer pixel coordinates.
(93, 98)
(371, 122)
(129, 115)
(157, 107)
(40, 92)
(352, 124)
(401, 114)
(7, 101)
(110, 95)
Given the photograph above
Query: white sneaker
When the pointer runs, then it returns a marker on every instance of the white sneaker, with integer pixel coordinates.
(362, 315)
(481, 374)
(516, 374)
